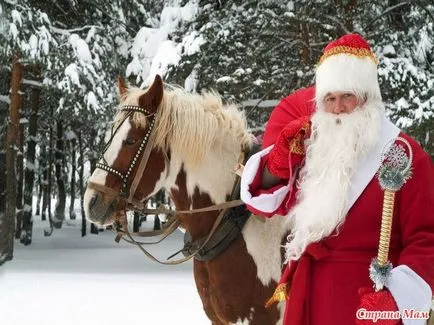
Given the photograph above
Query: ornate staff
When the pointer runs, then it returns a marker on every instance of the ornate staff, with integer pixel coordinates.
(395, 170)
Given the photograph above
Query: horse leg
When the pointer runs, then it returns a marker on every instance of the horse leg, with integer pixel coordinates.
(202, 285)
(263, 316)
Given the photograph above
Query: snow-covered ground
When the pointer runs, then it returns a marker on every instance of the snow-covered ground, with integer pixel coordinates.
(66, 279)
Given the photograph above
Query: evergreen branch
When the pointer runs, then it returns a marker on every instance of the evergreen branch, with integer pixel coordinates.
(336, 20)
(425, 9)
(259, 101)
(78, 29)
(387, 11)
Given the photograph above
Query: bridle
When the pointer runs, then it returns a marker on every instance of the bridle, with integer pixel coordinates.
(128, 188)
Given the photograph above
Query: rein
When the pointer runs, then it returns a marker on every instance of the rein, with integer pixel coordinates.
(122, 230)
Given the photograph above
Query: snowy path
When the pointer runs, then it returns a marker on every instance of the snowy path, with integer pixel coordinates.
(66, 279)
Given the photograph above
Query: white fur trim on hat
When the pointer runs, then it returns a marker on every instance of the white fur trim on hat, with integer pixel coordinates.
(347, 73)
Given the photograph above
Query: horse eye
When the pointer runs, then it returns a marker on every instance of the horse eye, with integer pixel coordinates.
(129, 142)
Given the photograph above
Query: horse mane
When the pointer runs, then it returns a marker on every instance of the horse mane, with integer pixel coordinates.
(191, 124)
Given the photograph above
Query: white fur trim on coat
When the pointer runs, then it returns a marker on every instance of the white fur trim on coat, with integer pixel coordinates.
(410, 291)
(265, 202)
(372, 162)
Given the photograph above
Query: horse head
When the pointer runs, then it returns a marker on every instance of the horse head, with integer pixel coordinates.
(130, 157)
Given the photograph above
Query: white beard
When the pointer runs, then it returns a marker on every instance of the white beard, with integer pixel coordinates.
(334, 151)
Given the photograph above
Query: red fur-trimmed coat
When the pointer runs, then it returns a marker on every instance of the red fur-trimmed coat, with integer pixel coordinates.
(324, 282)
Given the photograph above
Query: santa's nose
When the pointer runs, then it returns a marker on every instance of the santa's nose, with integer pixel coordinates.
(338, 107)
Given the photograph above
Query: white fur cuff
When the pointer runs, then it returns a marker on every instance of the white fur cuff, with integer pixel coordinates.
(268, 202)
(410, 291)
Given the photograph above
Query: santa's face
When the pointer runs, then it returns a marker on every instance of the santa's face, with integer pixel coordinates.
(338, 102)
(337, 146)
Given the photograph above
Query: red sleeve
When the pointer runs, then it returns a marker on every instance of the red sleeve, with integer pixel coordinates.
(416, 215)
(292, 107)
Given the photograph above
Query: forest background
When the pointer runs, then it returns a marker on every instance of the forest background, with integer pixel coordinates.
(59, 61)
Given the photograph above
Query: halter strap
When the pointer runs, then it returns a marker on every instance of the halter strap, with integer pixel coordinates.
(142, 165)
(127, 192)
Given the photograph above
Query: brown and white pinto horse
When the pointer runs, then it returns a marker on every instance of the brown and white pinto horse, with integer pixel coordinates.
(195, 145)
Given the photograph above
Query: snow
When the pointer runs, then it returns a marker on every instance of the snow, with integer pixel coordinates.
(191, 82)
(81, 49)
(32, 83)
(33, 44)
(260, 103)
(389, 50)
(5, 99)
(424, 46)
(224, 79)
(166, 55)
(153, 52)
(71, 71)
(13, 30)
(91, 100)
(192, 42)
(30, 166)
(16, 17)
(69, 135)
(65, 279)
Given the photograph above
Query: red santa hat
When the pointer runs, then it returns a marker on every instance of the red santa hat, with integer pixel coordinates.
(347, 64)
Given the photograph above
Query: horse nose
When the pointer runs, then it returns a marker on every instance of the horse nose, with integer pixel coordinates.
(93, 200)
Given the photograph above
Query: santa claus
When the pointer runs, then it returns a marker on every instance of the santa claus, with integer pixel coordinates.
(323, 147)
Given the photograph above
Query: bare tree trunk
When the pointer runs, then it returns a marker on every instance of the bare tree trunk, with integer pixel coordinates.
(7, 221)
(157, 222)
(72, 215)
(396, 17)
(349, 12)
(59, 213)
(20, 181)
(38, 200)
(2, 176)
(47, 195)
(81, 179)
(305, 52)
(44, 161)
(93, 159)
(5, 86)
(29, 177)
(136, 221)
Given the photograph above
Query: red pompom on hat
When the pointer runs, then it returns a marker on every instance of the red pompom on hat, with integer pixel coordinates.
(347, 64)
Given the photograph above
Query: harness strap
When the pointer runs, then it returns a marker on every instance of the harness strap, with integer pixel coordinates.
(181, 260)
(142, 166)
(220, 206)
(173, 224)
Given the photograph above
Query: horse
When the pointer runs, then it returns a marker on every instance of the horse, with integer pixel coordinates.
(188, 144)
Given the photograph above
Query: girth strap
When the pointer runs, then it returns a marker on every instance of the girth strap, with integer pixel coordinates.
(230, 228)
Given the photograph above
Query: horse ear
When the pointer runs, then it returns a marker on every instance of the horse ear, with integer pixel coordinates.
(122, 86)
(153, 97)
